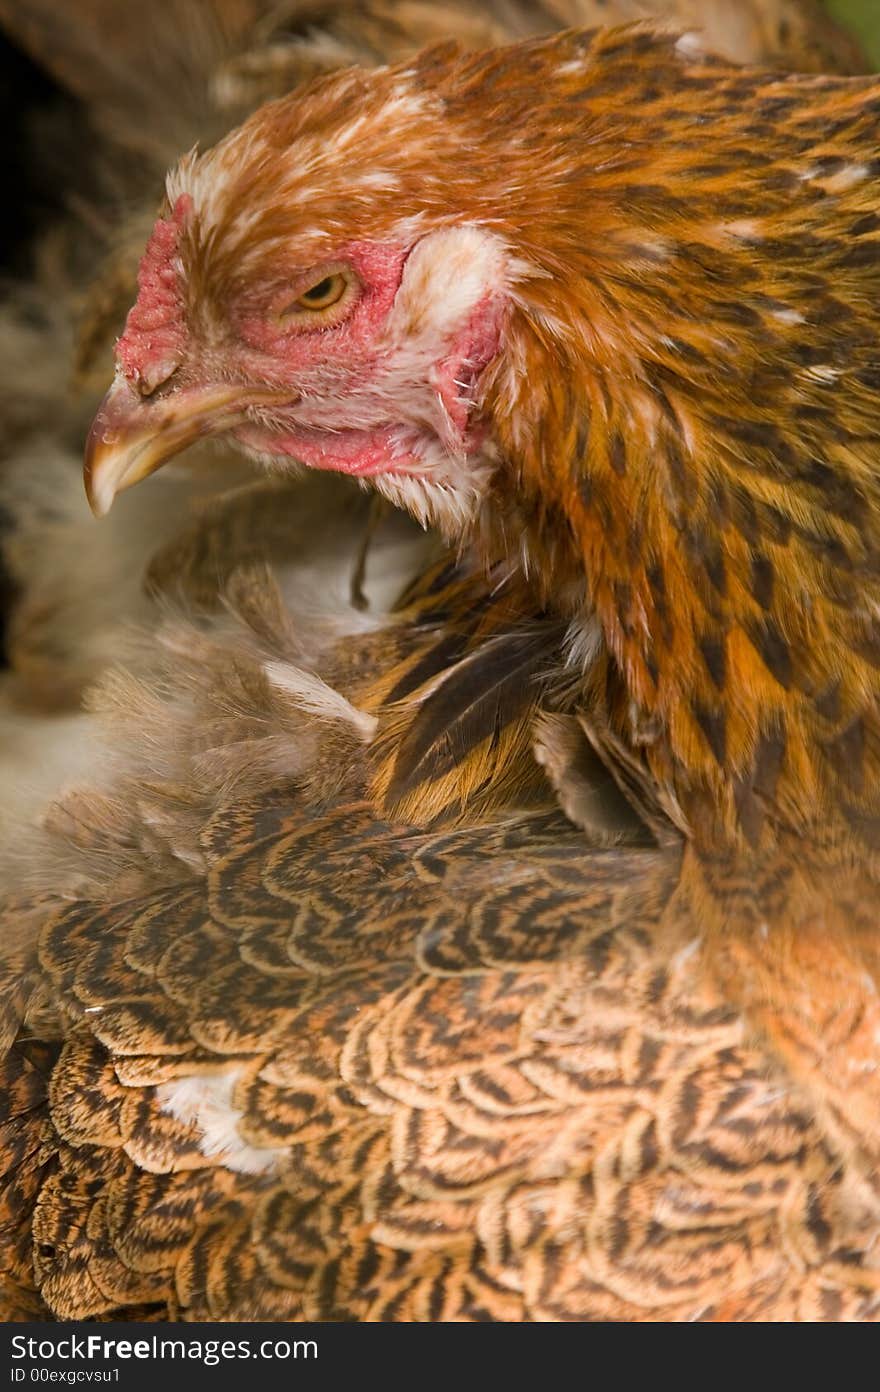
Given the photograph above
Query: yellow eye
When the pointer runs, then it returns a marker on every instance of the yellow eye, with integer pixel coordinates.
(323, 303)
(327, 291)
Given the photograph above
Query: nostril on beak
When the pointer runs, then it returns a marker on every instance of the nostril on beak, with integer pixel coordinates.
(155, 375)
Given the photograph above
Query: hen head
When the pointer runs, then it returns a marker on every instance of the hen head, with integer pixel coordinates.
(313, 291)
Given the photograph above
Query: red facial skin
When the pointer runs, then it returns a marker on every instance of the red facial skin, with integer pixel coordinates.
(338, 364)
(155, 330)
(349, 407)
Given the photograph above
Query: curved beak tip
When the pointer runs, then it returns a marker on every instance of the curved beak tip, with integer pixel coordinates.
(117, 442)
(132, 436)
(98, 473)
(100, 501)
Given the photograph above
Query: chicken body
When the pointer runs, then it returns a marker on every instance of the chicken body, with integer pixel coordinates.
(514, 958)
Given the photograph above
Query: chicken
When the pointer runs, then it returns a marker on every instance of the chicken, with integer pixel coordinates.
(512, 956)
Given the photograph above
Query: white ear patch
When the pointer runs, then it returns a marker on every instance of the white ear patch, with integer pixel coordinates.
(446, 276)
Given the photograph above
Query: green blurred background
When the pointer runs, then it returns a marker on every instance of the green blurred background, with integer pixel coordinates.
(863, 17)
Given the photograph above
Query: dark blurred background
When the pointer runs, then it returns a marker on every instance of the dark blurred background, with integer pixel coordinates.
(29, 102)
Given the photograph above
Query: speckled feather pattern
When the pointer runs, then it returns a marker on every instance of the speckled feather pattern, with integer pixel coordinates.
(480, 1070)
(485, 1068)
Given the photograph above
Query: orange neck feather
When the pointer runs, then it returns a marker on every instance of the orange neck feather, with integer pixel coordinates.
(691, 451)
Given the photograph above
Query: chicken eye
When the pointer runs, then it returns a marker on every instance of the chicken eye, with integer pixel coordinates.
(326, 292)
(323, 303)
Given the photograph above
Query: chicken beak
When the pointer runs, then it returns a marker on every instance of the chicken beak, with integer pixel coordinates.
(132, 435)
